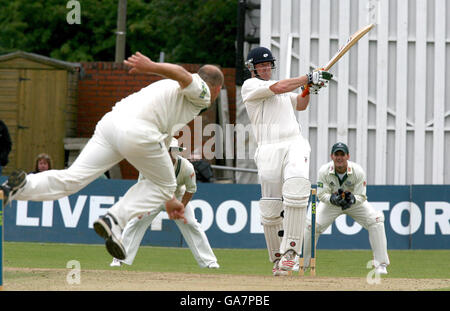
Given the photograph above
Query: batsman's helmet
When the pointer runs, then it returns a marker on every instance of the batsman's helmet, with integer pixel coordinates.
(259, 55)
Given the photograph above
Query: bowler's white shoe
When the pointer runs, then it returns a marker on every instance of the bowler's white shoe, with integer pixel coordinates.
(381, 269)
(213, 265)
(115, 263)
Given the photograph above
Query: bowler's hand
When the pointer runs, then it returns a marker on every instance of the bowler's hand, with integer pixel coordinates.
(175, 209)
(139, 63)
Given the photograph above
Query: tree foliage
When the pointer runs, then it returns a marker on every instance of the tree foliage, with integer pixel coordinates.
(188, 31)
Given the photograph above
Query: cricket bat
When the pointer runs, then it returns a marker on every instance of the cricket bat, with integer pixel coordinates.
(350, 42)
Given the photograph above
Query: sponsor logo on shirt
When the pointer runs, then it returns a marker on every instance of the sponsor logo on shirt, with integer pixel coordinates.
(204, 91)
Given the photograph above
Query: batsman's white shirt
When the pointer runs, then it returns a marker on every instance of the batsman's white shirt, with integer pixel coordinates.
(134, 130)
(272, 115)
(192, 232)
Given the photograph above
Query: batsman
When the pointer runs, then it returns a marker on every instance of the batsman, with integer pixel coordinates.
(341, 189)
(285, 184)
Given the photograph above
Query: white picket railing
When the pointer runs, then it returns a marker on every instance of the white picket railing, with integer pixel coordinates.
(390, 95)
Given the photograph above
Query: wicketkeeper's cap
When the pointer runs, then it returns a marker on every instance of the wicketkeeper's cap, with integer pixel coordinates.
(339, 147)
(174, 146)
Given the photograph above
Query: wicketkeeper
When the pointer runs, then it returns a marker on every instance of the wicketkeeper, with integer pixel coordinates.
(192, 232)
(341, 189)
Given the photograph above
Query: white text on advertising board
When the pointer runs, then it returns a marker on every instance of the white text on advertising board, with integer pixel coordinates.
(233, 216)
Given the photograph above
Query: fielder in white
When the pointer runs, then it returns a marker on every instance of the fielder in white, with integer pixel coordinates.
(341, 189)
(284, 179)
(194, 236)
(136, 129)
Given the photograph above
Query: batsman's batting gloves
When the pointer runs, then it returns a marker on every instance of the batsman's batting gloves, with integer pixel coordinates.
(319, 77)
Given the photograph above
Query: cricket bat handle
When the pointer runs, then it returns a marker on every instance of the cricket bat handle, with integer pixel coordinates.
(305, 90)
(306, 87)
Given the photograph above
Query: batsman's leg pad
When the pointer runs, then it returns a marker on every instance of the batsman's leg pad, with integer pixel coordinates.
(296, 192)
(270, 211)
(377, 239)
(296, 195)
(294, 224)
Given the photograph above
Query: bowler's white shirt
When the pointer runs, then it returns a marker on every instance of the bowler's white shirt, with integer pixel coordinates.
(164, 106)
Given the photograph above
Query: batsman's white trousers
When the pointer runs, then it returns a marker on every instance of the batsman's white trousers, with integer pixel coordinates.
(364, 214)
(115, 138)
(193, 234)
(278, 162)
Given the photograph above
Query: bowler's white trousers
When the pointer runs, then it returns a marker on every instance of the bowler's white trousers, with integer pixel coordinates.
(115, 138)
(194, 235)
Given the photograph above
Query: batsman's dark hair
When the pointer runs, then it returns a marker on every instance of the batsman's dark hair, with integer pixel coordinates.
(211, 74)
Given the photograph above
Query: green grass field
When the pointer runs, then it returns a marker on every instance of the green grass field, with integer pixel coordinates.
(415, 264)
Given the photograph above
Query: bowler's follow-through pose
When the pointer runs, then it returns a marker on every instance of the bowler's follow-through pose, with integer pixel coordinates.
(341, 188)
(136, 129)
(282, 156)
(192, 232)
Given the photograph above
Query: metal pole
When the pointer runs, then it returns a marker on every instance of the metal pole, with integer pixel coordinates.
(238, 169)
(121, 30)
(240, 42)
